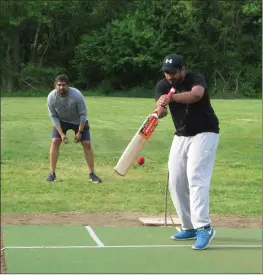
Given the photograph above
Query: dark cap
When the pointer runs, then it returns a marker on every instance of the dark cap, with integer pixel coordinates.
(172, 63)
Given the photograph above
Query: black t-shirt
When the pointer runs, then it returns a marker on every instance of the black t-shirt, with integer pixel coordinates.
(190, 119)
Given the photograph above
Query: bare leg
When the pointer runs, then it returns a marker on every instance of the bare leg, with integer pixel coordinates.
(54, 152)
(89, 156)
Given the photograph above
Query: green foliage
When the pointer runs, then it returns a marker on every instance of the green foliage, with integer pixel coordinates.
(116, 45)
(35, 77)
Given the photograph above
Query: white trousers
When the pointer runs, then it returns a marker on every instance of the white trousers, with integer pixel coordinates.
(190, 165)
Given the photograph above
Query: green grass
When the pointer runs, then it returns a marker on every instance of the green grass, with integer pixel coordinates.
(26, 133)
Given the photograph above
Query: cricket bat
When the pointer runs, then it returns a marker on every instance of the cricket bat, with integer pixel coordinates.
(137, 143)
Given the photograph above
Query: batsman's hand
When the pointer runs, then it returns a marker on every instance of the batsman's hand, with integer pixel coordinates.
(163, 101)
(161, 111)
(64, 139)
(77, 137)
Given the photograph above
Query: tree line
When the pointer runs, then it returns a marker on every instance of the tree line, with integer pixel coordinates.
(115, 45)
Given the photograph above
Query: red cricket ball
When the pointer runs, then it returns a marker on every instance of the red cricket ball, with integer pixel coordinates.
(140, 160)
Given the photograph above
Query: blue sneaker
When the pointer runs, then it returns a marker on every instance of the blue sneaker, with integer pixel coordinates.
(204, 237)
(184, 235)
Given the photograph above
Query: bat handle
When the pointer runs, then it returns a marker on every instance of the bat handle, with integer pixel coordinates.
(171, 93)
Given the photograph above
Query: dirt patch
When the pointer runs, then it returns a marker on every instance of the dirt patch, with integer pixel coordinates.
(115, 219)
(3, 265)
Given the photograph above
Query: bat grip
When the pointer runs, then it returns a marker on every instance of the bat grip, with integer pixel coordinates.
(171, 93)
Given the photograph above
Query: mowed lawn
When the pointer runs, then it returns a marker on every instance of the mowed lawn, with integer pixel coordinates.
(26, 133)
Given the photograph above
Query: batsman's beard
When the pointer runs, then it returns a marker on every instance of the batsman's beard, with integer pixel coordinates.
(174, 82)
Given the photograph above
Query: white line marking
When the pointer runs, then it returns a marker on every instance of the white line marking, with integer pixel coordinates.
(130, 246)
(178, 228)
(94, 236)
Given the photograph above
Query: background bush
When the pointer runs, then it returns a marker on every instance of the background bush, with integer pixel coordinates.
(114, 46)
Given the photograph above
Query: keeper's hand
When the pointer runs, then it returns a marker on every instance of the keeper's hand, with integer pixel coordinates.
(77, 137)
(64, 139)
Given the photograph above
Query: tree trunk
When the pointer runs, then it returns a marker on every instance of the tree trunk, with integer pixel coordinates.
(33, 57)
(46, 48)
(16, 51)
(7, 84)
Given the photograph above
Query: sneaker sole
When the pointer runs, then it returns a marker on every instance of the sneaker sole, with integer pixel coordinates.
(50, 181)
(195, 248)
(95, 181)
(185, 239)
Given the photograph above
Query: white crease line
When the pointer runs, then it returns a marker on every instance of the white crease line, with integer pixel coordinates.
(94, 236)
(129, 246)
(178, 228)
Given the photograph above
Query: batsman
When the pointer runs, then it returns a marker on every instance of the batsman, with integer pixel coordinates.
(193, 150)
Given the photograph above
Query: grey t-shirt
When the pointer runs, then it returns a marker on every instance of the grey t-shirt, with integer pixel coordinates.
(71, 109)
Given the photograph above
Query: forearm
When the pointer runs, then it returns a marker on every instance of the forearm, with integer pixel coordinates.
(83, 117)
(82, 111)
(59, 129)
(53, 114)
(186, 97)
(55, 120)
(56, 124)
(81, 126)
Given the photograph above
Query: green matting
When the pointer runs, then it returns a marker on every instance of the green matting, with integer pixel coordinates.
(230, 251)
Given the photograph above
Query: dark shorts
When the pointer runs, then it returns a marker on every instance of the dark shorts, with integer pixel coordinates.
(68, 126)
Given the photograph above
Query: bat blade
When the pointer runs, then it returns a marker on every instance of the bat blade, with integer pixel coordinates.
(137, 143)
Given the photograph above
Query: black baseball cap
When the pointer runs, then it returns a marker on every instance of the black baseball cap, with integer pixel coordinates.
(172, 63)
